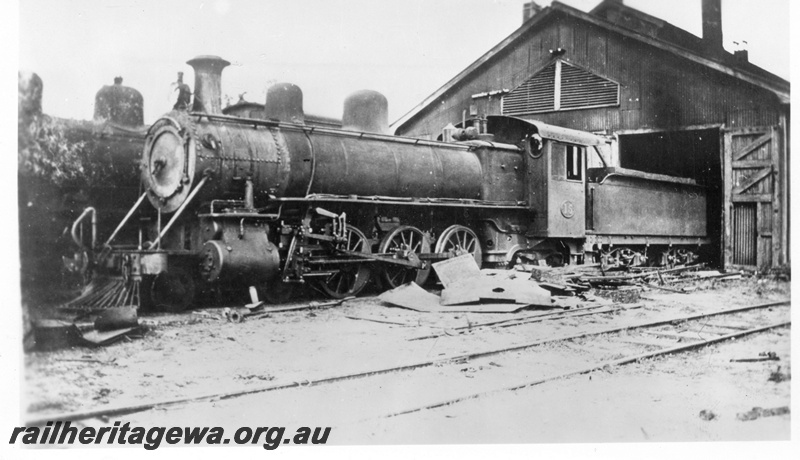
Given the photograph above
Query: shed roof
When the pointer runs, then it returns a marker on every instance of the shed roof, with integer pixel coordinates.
(670, 38)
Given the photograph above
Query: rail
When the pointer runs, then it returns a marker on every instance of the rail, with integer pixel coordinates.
(128, 409)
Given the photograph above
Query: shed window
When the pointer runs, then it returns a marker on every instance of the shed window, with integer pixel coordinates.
(561, 86)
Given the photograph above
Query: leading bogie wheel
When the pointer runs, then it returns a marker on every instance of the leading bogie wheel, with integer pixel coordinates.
(348, 279)
(404, 240)
(458, 240)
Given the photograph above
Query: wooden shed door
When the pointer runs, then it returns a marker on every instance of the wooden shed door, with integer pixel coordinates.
(752, 197)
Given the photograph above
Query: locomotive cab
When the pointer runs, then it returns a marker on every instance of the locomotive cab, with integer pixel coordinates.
(557, 190)
(584, 206)
(556, 161)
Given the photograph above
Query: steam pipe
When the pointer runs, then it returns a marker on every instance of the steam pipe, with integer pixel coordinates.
(125, 219)
(178, 213)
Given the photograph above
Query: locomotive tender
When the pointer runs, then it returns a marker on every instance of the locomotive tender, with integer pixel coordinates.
(274, 202)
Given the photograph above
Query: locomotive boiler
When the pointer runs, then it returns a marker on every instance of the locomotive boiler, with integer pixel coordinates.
(275, 202)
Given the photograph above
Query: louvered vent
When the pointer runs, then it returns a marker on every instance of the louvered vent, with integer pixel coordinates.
(537, 94)
(580, 89)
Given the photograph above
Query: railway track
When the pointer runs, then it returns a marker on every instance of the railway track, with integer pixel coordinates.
(490, 371)
(600, 366)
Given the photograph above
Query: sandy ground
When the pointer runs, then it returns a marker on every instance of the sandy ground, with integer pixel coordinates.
(658, 400)
(696, 396)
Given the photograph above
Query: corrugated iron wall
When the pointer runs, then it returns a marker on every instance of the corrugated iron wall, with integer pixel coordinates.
(745, 238)
(659, 89)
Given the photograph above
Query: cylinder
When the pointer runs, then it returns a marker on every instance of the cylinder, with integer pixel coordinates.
(252, 259)
(366, 111)
(208, 83)
(119, 104)
(284, 103)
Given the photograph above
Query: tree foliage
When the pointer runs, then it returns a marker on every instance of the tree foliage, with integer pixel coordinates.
(46, 152)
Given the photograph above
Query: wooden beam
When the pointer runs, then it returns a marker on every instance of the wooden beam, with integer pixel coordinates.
(751, 181)
(754, 198)
(727, 206)
(752, 164)
(663, 130)
(742, 152)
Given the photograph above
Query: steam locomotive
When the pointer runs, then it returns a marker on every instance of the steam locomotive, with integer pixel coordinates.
(273, 202)
(65, 166)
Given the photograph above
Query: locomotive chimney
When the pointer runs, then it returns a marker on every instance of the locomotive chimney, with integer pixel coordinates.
(208, 83)
(366, 111)
(284, 103)
(712, 25)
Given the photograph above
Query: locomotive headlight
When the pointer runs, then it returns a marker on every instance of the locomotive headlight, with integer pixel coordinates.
(167, 164)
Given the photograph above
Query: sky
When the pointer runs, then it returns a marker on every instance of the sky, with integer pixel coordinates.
(330, 48)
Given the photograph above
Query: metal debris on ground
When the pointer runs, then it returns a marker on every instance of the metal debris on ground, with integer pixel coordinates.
(254, 302)
(116, 318)
(206, 314)
(52, 334)
(758, 412)
(778, 375)
(103, 338)
(467, 289)
(715, 274)
(235, 314)
(566, 289)
(559, 275)
(629, 277)
(110, 326)
(381, 321)
(242, 314)
(763, 356)
(457, 269)
(663, 288)
(621, 295)
(467, 284)
(413, 297)
(491, 289)
(568, 279)
(707, 415)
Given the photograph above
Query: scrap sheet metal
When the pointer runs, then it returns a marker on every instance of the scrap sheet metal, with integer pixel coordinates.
(467, 288)
(413, 297)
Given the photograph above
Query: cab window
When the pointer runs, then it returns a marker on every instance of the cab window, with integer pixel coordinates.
(574, 163)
